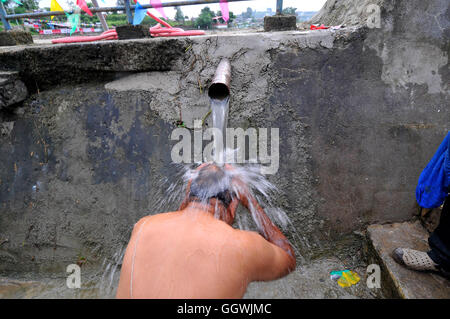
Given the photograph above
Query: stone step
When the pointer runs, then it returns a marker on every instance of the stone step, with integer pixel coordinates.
(396, 280)
(15, 37)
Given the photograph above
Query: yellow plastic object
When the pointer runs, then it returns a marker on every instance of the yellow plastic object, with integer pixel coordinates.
(348, 279)
(352, 277)
(343, 282)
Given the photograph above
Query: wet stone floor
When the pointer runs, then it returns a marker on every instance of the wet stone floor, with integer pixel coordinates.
(308, 281)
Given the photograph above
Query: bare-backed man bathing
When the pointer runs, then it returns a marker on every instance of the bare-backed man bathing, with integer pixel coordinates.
(195, 253)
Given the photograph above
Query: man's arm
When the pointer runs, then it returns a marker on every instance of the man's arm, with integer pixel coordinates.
(264, 260)
(275, 257)
(265, 226)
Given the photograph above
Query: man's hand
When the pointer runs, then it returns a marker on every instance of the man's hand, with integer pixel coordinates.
(265, 226)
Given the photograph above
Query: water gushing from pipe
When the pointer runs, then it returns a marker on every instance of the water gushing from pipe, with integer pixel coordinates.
(219, 94)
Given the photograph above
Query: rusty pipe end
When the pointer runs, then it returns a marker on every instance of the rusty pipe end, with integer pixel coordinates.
(220, 86)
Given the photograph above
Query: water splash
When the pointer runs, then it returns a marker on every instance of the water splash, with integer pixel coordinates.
(249, 174)
(110, 277)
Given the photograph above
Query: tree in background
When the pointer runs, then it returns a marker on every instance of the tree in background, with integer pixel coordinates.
(231, 16)
(8, 3)
(27, 6)
(204, 20)
(247, 14)
(179, 16)
(289, 10)
(30, 5)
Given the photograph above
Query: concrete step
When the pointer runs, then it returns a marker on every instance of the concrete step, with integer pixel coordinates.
(396, 280)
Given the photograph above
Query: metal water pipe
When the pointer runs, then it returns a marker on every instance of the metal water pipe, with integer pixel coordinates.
(220, 86)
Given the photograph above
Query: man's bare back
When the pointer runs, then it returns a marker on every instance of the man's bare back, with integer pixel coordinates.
(192, 254)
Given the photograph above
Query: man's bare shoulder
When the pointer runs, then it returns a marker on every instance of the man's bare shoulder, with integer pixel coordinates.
(252, 241)
(248, 235)
(154, 218)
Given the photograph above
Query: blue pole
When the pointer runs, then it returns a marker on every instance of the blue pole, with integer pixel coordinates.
(279, 6)
(128, 11)
(3, 15)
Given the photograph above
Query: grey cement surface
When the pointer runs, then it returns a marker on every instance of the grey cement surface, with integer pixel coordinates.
(347, 12)
(360, 112)
(312, 282)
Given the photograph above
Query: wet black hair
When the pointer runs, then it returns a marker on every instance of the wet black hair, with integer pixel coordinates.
(211, 182)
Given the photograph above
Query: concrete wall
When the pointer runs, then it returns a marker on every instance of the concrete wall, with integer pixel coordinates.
(360, 112)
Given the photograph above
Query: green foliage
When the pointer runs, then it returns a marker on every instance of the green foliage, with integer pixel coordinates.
(19, 10)
(30, 5)
(188, 23)
(289, 10)
(231, 16)
(179, 16)
(204, 20)
(115, 20)
(27, 6)
(84, 18)
(7, 3)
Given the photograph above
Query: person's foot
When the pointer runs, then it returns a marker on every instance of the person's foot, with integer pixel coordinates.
(414, 259)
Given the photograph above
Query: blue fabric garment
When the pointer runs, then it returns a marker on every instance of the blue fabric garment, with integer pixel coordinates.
(434, 181)
(139, 14)
(447, 164)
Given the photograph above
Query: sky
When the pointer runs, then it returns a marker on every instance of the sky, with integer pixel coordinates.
(194, 10)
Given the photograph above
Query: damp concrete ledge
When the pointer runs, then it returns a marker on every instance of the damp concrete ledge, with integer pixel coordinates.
(398, 281)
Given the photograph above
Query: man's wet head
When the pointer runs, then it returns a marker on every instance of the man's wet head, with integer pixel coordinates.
(211, 186)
